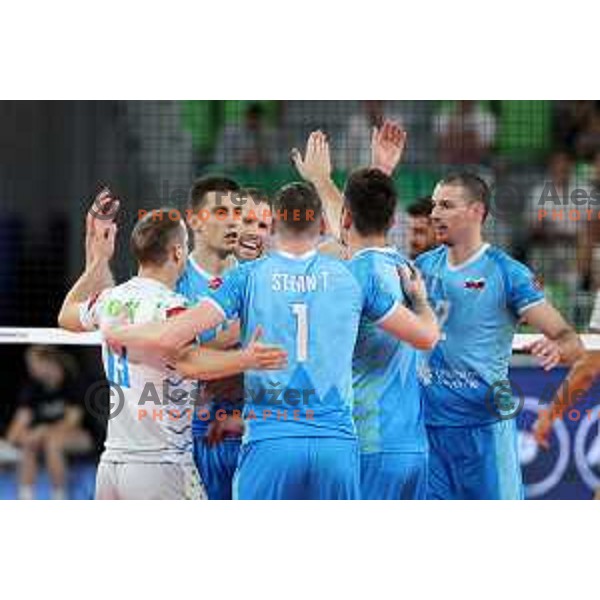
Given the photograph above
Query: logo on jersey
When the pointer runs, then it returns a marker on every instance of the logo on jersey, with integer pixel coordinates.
(474, 284)
(215, 283)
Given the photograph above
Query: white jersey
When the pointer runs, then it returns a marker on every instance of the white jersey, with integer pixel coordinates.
(151, 420)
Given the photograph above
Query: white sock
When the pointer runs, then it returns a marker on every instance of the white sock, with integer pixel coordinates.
(58, 493)
(25, 492)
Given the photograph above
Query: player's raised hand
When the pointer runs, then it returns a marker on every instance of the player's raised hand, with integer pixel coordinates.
(546, 351)
(100, 245)
(100, 227)
(315, 165)
(259, 356)
(387, 147)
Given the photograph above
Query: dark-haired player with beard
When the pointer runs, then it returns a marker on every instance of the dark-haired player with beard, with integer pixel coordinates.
(421, 236)
(257, 221)
(480, 294)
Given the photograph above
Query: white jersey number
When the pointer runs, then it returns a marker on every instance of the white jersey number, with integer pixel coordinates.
(301, 313)
(442, 312)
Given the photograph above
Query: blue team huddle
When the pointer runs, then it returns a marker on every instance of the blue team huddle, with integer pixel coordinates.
(390, 361)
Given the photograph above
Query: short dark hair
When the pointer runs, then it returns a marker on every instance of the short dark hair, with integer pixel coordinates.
(256, 194)
(421, 207)
(371, 196)
(300, 197)
(154, 233)
(478, 190)
(210, 183)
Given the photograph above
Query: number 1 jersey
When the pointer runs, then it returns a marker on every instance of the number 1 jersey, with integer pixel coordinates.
(311, 306)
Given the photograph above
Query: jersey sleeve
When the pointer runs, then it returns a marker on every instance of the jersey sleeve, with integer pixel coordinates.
(229, 296)
(525, 289)
(379, 300)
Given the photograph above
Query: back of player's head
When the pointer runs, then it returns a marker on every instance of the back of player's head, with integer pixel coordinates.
(155, 234)
(371, 197)
(298, 209)
(475, 188)
(210, 183)
(421, 207)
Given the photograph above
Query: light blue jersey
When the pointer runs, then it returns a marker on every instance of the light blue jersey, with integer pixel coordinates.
(311, 306)
(387, 402)
(195, 283)
(478, 304)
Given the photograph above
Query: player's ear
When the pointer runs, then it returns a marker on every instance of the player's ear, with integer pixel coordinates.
(178, 253)
(346, 218)
(194, 222)
(323, 227)
(479, 210)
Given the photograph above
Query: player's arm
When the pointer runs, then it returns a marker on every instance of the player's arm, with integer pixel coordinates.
(99, 221)
(417, 327)
(169, 337)
(207, 363)
(577, 382)
(387, 147)
(226, 338)
(92, 281)
(19, 424)
(561, 343)
(315, 167)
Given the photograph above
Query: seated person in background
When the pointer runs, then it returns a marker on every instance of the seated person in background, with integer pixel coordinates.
(48, 419)
(465, 133)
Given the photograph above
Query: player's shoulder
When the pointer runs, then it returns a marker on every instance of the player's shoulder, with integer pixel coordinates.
(509, 265)
(146, 291)
(431, 257)
(373, 258)
(243, 269)
(332, 262)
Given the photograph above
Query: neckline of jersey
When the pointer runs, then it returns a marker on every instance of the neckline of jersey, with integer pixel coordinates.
(203, 272)
(469, 260)
(382, 249)
(291, 256)
(151, 281)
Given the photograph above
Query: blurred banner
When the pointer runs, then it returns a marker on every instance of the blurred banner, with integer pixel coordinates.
(570, 469)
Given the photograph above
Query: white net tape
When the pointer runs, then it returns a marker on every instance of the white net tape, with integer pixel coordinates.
(56, 336)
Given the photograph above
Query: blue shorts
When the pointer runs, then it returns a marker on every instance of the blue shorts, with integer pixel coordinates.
(298, 468)
(474, 463)
(217, 465)
(393, 476)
